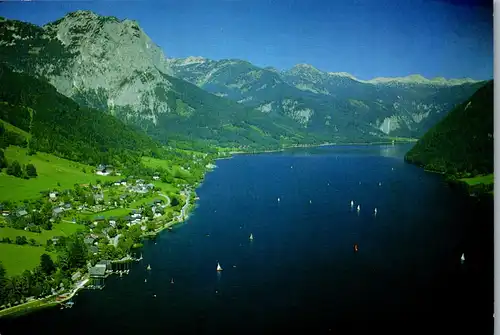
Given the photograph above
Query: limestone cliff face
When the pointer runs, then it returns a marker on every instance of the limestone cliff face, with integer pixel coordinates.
(114, 58)
(330, 101)
(112, 65)
(101, 61)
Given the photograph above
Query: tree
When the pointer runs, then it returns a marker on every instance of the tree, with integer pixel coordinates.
(77, 251)
(31, 171)
(3, 283)
(112, 232)
(174, 201)
(149, 212)
(21, 240)
(46, 264)
(47, 225)
(3, 160)
(14, 169)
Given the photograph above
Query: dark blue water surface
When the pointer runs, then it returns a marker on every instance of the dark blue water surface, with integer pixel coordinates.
(300, 272)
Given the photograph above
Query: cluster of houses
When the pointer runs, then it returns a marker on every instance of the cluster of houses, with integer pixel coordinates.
(135, 216)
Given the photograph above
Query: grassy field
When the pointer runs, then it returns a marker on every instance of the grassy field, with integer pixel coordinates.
(17, 258)
(158, 163)
(486, 179)
(14, 129)
(51, 171)
(118, 212)
(60, 229)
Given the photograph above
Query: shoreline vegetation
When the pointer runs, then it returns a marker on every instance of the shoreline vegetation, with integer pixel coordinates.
(460, 147)
(189, 193)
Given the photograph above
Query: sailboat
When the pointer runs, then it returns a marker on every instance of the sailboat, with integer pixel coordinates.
(172, 281)
(251, 237)
(279, 200)
(462, 259)
(145, 280)
(219, 268)
(359, 208)
(352, 203)
(310, 201)
(149, 267)
(375, 211)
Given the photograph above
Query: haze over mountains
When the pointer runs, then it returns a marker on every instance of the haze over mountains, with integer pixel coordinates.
(112, 65)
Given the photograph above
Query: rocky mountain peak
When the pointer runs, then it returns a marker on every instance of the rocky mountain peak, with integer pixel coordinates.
(304, 67)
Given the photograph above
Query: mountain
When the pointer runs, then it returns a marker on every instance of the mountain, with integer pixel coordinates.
(330, 101)
(58, 125)
(112, 65)
(462, 143)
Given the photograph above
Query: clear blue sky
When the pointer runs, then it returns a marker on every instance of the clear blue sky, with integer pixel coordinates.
(367, 38)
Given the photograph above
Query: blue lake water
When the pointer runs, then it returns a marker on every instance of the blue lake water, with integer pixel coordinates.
(300, 272)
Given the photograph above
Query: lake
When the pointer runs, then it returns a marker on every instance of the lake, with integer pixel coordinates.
(300, 273)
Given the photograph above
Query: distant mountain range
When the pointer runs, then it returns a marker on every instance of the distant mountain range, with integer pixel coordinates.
(112, 65)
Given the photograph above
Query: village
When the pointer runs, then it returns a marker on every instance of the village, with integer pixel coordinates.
(111, 218)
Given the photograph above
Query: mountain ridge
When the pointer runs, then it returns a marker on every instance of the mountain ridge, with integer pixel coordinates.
(112, 65)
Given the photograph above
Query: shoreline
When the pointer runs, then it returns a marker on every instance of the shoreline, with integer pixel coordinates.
(316, 146)
(180, 218)
(47, 302)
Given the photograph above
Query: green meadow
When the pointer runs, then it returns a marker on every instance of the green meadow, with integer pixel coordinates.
(486, 179)
(18, 258)
(51, 171)
(60, 229)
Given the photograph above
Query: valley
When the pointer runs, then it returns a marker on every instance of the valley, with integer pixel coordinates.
(105, 141)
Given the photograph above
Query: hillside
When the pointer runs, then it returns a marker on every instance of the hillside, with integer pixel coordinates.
(328, 103)
(112, 65)
(462, 143)
(59, 125)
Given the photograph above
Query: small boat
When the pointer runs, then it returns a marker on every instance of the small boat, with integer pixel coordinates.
(251, 237)
(145, 280)
(379, 184)
(358, 208)
(149, 267)
(355, 247)
(279, 200)
(219, 268)
(172, 281)
(352, 203)
(375, 211)
(169, 228)
(310, 201)
(462, 259)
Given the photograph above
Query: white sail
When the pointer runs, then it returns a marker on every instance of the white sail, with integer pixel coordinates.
(219, 268)
(251, 236)
(279, 200)
(359, 207)
(375, 210)
(462, 258)
(352, 203)
(149, 267)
